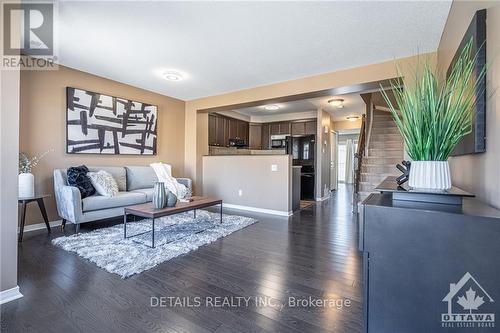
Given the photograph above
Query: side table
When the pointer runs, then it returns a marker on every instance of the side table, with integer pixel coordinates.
(24, 201)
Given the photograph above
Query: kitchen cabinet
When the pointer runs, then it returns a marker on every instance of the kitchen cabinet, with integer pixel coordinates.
(299, 128)
(311, 127)
(274, 128)
(285, 128)
(255, 136)
(304, 127)
(232, 128)
(266, 136)
(222, 128)
(242, 130)
(279, 128)
(212, 130)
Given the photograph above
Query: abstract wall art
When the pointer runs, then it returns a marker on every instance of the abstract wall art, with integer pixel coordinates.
(475, 142)
(102, 124)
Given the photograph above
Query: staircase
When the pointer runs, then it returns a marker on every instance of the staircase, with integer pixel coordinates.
(385, 150)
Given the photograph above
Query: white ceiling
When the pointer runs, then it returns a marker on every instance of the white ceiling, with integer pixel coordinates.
(228, 46)
(353, 106)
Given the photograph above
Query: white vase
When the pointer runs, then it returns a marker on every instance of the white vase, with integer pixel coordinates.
(430, 175)
(26, 185)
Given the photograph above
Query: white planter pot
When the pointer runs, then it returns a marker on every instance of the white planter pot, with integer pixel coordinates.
(430, 175)
(26, 185)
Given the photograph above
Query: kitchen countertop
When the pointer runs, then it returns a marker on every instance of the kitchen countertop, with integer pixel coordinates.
(214, 151)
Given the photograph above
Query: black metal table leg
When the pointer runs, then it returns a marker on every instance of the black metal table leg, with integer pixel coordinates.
(23, 219)
(194, 213)
(125, 225)
(41, 205)
(221, 212)
(153, 233)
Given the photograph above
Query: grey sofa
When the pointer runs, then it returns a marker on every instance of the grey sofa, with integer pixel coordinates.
(135, 185)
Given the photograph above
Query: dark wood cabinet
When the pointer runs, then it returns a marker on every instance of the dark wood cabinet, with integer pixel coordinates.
(212, 130)
(232, 128)
(222, 128)
(266, 136)
(220, 131)
(255, 136)
(279, 128)
(242, 130)
(285, 127)
(274, 128)
(310, 127)
(299, 128)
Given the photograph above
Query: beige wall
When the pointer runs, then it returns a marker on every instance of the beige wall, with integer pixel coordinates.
(478, 173)
(346, 124)
(43, 115)
(9, 143)
(195, 144)
(236, 115)
(323, 152)
(224, 176)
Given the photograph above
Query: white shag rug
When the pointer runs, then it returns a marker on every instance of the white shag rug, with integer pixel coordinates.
(174, 235)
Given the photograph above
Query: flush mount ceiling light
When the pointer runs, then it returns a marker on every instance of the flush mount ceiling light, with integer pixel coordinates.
(272, 107)
(353, 118)
(337, 102)
(172, 76)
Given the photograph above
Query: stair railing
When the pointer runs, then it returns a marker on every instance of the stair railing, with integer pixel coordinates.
(358, 159)
(368, 127)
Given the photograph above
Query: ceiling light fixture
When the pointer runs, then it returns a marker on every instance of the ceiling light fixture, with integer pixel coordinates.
(172, 76)
(272, 107)
(337, 102)
(353, 118)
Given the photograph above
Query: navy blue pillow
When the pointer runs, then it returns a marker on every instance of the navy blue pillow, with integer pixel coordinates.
(77, 177)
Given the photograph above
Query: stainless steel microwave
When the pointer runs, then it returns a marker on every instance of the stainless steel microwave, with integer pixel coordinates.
(278, 141)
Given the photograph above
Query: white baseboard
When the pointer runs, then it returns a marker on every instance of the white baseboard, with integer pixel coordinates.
(10, 295)
(326, 197)
(38, 226)
(258, 210)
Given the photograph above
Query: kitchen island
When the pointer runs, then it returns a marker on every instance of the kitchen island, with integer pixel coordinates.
(259, 183)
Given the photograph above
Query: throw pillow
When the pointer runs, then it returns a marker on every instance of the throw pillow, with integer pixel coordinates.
(77, 177)
(104, 183)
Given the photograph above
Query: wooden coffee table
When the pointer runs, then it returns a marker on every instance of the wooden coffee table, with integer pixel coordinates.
(147, 210)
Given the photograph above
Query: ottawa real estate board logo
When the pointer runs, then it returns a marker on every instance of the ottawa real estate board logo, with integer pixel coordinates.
(469, 305)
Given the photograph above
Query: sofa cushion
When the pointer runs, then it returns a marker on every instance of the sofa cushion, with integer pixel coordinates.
(77, 177)
(103, 183)
(118, 173)
(148, 192)
(140, 177)
(97, 202)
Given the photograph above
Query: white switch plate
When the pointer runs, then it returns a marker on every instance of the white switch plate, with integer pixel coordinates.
(240, 192)
(274, 167)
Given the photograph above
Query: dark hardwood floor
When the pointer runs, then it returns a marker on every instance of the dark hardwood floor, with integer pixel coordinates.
(311, 254)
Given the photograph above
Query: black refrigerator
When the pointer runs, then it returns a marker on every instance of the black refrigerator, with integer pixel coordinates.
(302, 148)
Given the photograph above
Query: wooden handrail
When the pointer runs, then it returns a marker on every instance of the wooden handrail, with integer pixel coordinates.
(358, 156)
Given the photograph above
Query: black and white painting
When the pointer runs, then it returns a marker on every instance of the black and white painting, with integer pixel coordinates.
(101, 124)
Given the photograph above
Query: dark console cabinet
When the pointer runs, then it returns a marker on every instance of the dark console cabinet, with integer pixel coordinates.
(420, 258)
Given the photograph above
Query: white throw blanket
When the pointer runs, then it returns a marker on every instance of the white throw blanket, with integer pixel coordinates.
(171, 184)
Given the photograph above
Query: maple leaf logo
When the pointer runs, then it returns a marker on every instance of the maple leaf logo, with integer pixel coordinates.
(470, 301)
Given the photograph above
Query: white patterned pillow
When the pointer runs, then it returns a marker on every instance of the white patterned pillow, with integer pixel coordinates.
(104, 183)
